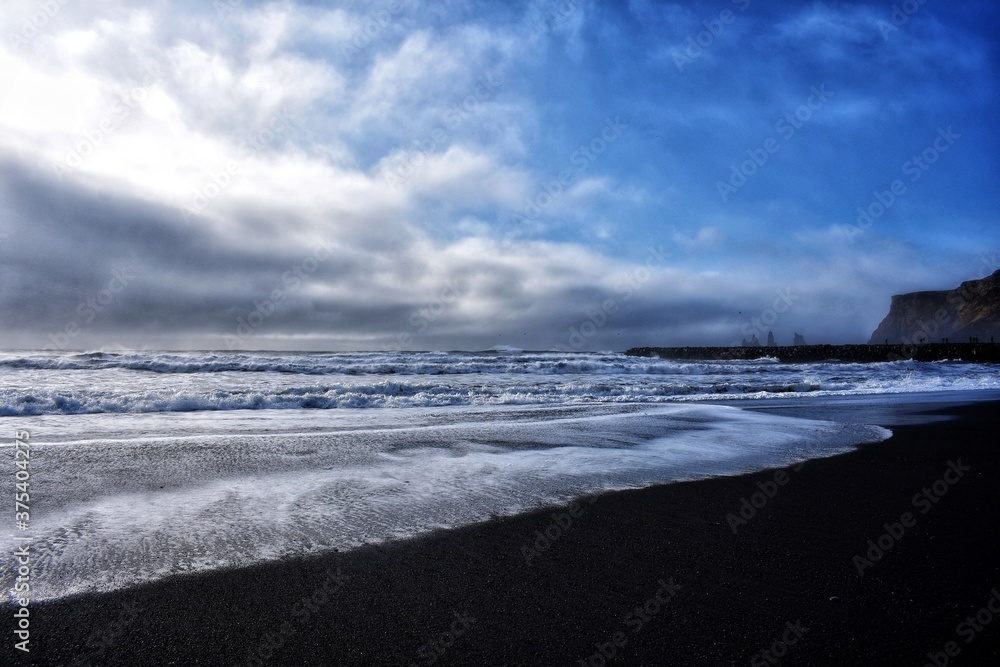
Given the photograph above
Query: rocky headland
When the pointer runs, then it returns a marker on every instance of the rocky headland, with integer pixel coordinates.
(970, 311)
(959, 324)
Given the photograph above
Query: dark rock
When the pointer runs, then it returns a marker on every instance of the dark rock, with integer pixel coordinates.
(799, 339)
(770, 339)
(970, 312)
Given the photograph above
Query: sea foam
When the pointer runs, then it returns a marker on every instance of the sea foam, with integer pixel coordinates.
(129, 504)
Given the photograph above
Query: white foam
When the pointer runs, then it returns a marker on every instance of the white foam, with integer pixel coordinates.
(126, 505)
(44, 383)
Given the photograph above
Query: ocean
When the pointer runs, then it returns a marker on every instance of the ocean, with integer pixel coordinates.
(151, 464)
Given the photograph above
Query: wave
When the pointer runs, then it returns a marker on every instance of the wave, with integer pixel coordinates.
(506, 361)
(410, 394)
(386, 394)
(41, 383)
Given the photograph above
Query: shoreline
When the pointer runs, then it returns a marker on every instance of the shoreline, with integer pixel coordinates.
(648, 575)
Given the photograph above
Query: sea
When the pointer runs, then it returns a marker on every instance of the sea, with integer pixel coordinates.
(145, 465)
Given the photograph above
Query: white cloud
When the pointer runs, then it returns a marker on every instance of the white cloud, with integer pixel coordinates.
(706, 237)
(329, 128)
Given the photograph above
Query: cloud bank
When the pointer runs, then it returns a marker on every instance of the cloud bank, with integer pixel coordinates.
(461, 175)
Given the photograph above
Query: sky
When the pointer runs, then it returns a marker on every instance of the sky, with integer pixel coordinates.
(545, 174)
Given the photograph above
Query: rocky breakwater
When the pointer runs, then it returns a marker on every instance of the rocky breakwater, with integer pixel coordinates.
(980, 352)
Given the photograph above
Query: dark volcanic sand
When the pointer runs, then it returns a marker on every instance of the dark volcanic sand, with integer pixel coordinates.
(737, 591)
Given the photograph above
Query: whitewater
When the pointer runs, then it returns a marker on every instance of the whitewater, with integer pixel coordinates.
(44, 383)
(152, 464)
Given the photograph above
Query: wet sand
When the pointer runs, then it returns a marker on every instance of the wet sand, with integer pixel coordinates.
(664, 575)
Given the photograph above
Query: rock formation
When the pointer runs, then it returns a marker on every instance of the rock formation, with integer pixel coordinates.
(799, 339)
(770, 339)
(971, 311)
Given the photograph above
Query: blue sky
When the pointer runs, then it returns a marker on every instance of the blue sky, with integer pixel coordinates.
(411, 175)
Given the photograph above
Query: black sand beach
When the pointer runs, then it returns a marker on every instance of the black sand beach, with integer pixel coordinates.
(787, 582)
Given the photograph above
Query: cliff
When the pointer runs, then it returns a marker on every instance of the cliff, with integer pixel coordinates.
(971, 310)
